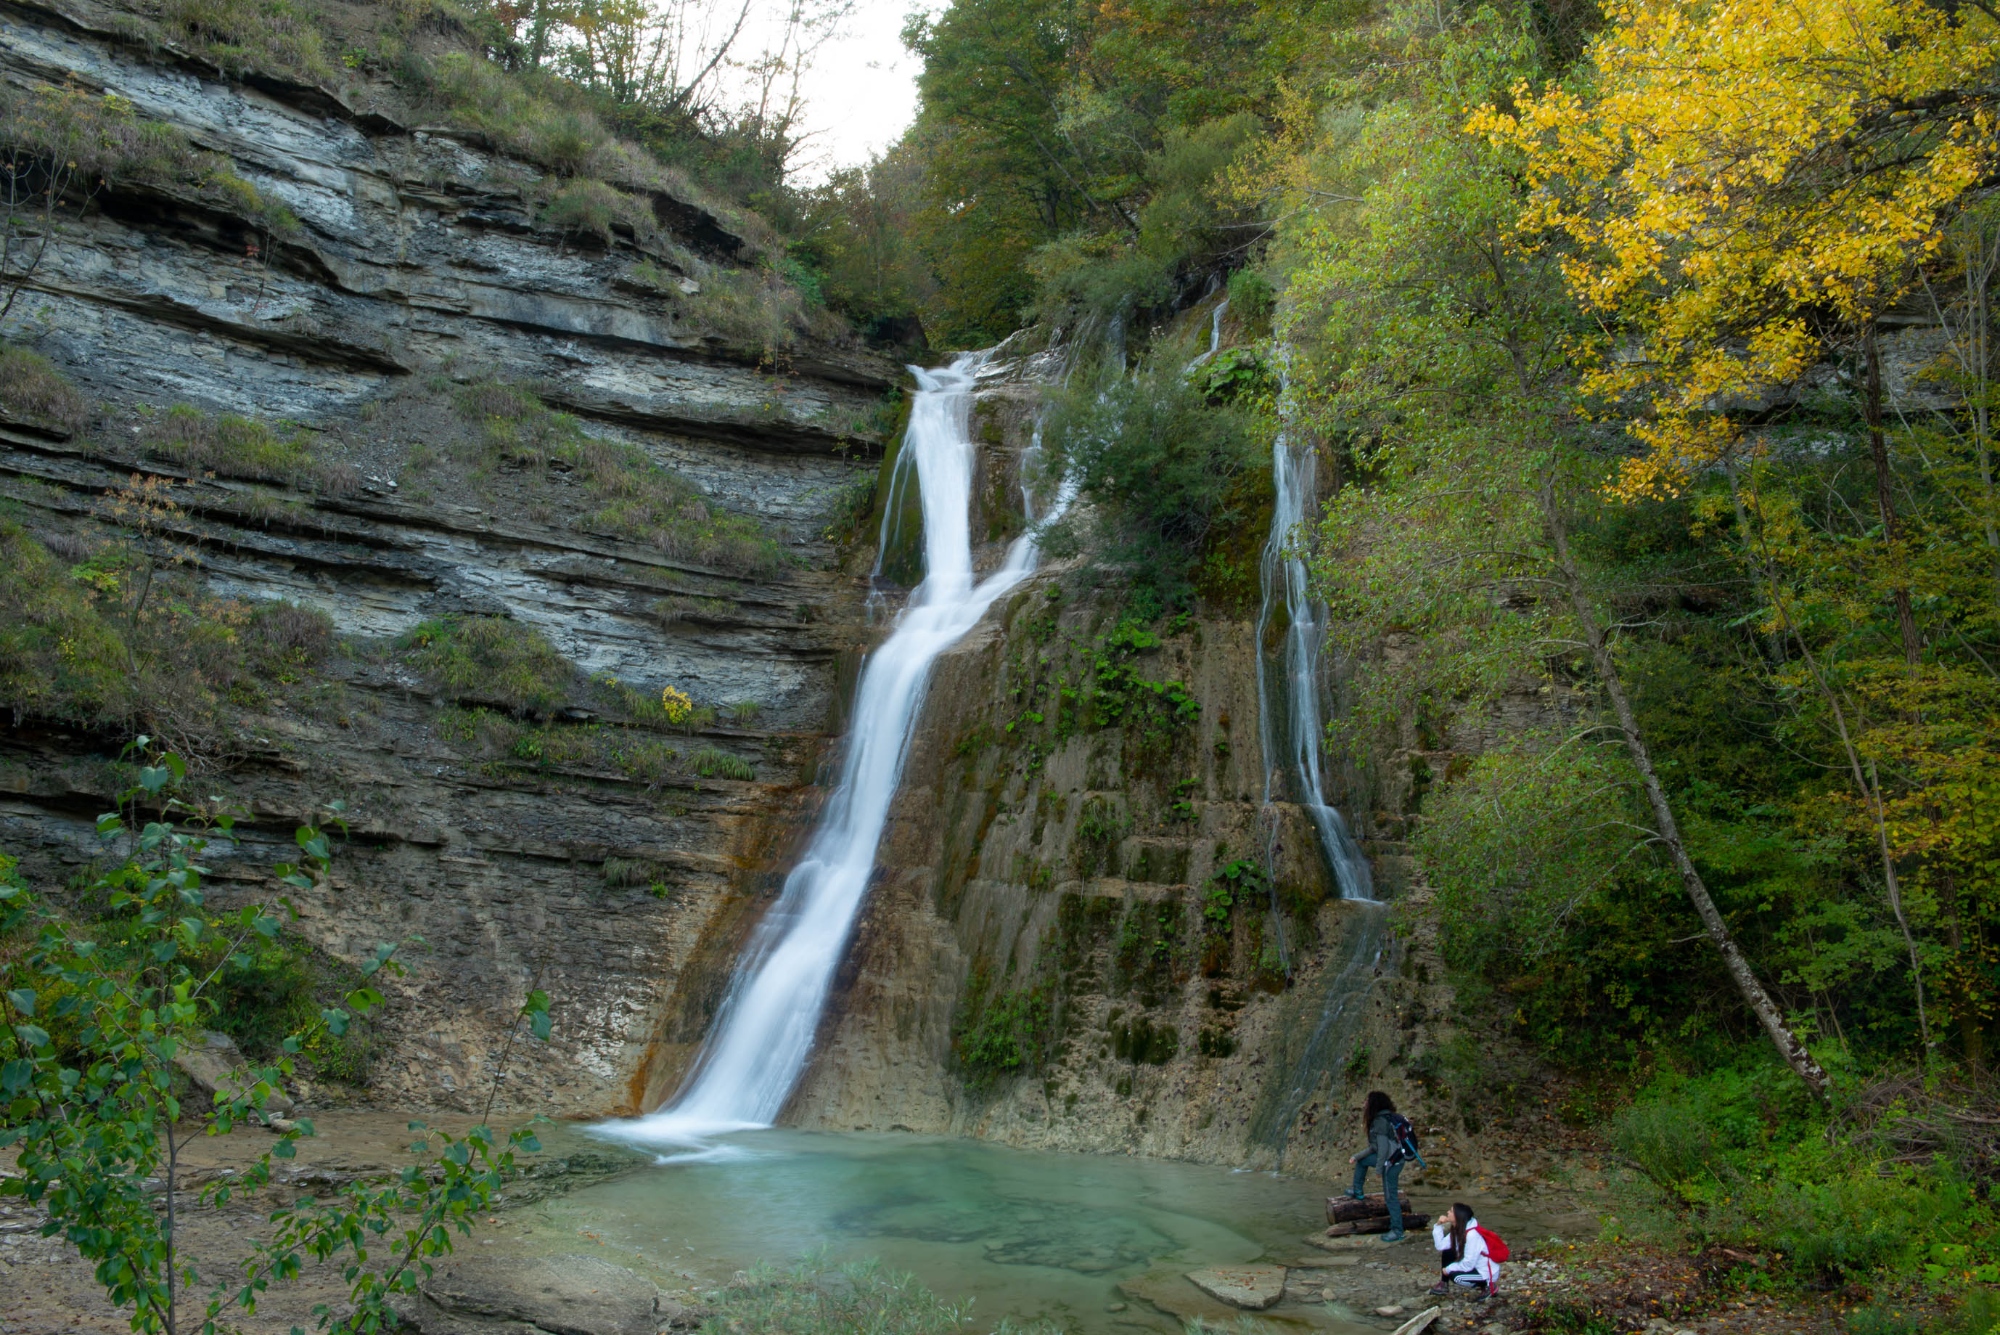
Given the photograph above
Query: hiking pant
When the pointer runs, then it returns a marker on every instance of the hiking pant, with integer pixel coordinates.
(1390, 1174)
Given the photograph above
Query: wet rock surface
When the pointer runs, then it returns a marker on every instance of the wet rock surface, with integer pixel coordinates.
(1248, 1286)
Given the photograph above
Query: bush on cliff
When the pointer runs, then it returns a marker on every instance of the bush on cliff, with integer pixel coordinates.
(493, 659)
(1159, 463)
(122, 636)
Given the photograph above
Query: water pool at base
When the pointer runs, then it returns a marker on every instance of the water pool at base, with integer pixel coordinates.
(1023, 1234)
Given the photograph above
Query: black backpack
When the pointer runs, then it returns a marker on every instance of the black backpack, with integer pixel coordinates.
(1406, 1140)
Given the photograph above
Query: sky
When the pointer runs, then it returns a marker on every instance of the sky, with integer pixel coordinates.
(862, 93)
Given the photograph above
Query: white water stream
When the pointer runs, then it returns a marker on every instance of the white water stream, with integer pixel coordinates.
(763, 1035)
(1290, 724)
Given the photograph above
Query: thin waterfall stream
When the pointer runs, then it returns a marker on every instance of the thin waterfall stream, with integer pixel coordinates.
(1290, 727)
(763, 1034)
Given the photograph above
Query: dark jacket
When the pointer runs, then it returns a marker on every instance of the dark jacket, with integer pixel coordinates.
(1382, 1139)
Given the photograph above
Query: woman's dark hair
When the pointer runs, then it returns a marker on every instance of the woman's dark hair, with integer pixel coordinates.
(1461, 1216)
(1378, 1103)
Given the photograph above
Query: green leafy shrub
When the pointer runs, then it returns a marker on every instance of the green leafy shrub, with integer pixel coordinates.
(31, 387)
(1002, 1035)
(1158, 462)
(491, 658)
(1746, 1159)
(90, 1100)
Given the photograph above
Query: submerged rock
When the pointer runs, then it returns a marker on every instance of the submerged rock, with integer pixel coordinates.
(1253, 1286)
(563, 1295)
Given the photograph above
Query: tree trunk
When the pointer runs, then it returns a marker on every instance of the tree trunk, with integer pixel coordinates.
(1885, 499)
(1766, 1010)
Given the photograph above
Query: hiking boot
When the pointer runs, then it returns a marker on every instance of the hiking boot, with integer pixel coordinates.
(1439, 1289)
(1392, 1238)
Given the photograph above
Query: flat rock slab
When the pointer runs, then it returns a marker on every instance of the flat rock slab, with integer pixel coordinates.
(1253, 1286)
(564, 1295)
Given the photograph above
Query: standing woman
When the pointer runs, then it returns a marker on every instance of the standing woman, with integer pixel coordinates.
(1380, 1153)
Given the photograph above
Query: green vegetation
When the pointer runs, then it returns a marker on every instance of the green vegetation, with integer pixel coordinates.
(32, 388)
(1006, 1034)
(1160, 463)
(635, 497)
(92, 1105)
(99, 141)
(1669, 481)
(125, 637)
(491, 659)
(243, 447)
(814, 1298)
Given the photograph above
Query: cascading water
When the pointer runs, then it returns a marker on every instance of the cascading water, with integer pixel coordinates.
(1290, 724)
(1288, 718)
(763, 1034)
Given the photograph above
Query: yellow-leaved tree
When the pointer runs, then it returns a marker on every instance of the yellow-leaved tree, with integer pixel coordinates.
(1746, 182)
(1740, 191)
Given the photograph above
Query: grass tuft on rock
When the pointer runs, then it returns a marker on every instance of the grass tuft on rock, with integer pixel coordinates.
(489, 658)
(32, 388)
(634, 497)
(243, 447)
(813, 1297)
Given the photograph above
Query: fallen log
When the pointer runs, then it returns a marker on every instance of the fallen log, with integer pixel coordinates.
(1346, 1210)
(1379, 1224)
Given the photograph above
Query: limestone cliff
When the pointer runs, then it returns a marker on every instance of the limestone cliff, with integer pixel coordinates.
(420, 268)
(1056, 953)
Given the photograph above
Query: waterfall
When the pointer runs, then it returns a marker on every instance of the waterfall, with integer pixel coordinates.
(763, 1034)
(1288, 722)
(1214, 336)
(1289, 725)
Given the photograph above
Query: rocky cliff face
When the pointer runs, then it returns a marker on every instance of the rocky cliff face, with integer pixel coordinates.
(421, 269)
(1064, 949)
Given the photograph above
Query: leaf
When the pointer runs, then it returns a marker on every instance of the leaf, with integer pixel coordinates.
(30, 1036)
(23, 999)
(336, 1021)
(16, 1074)
(539, 1021)
(154, 777)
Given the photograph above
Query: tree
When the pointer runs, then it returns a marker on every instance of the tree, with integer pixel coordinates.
(95, 1017)
(1439, 350)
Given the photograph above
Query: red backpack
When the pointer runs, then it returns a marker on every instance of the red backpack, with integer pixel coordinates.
(1496, 1248)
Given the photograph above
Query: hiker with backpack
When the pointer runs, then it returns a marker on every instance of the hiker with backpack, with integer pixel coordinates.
(1392, 1141)
(1468, 1256)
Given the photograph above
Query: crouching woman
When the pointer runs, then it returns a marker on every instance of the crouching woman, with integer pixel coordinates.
(1464, 1260)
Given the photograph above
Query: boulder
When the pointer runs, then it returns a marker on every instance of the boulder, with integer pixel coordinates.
(217, 1066)
(563, 1295)
(1255, 1287)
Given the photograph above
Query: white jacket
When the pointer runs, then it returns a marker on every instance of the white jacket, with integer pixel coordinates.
(1475, 1263)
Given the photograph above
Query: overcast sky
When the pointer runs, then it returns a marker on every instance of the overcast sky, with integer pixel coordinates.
(862, 93)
